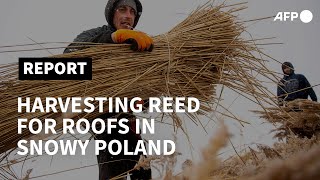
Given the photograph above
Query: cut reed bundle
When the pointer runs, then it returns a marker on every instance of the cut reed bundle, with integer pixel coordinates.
(299, 113)
(300, 116)
(204, 50)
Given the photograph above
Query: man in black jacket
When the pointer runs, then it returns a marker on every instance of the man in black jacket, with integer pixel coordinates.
(293, 86)
(122, 16)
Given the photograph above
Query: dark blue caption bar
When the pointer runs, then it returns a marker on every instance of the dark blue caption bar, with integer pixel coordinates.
(55, 69)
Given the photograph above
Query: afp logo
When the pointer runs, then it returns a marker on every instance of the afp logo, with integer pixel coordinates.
(305, 16)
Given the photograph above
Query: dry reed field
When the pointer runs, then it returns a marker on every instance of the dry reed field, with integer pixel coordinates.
(205, 50)
(297, 158)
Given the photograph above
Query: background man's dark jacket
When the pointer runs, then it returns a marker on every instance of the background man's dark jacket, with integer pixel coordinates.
(295, 82)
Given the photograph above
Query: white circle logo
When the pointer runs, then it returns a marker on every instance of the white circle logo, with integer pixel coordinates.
(306, 16)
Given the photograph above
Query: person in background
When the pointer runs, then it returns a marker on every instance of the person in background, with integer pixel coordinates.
(122, 16)
(293, 86)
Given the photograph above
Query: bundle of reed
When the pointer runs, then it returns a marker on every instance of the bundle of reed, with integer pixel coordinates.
(204, 50)
(301, 116)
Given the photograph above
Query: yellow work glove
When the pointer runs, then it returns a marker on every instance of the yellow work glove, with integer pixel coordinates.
(139, 41)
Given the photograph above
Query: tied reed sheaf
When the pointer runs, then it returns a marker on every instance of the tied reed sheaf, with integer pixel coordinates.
(202, 51)
(301, 117)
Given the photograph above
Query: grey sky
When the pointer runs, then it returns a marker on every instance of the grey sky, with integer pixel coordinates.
(62, 20)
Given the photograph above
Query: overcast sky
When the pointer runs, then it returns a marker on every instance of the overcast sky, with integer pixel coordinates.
(63, 20)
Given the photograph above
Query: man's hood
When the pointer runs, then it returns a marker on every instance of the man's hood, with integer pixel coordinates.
(288, 64)
(109, 12)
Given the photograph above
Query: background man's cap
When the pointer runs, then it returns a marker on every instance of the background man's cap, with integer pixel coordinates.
(287, 64)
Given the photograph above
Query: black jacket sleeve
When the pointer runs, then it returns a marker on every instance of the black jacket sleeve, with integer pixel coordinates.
(310, 90)
(96, 35)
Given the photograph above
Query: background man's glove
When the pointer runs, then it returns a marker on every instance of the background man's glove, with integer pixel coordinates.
(139, 40)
